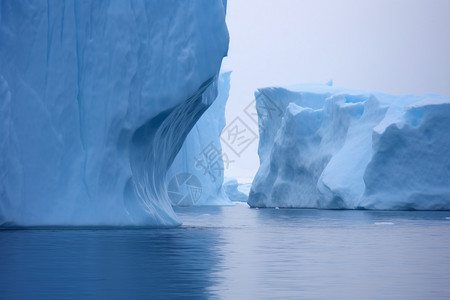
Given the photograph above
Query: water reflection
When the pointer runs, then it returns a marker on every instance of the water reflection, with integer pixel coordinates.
(237, 252)
(108, 264)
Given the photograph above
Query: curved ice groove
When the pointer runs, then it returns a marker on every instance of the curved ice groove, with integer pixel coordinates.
(204, 136)
(155, 146)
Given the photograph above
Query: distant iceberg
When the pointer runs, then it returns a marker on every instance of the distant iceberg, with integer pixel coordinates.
(96, 99)
(237, 192)
(333, 148)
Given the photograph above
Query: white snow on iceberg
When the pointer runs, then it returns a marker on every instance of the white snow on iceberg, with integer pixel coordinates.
(326, 147)
(97, 98)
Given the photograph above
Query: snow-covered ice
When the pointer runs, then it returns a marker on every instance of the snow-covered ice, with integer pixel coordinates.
(326, 147)
(96, 99)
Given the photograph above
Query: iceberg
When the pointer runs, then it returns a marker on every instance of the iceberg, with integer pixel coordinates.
(335, 148)
(96, 99)
(197, 173)
(236, 192)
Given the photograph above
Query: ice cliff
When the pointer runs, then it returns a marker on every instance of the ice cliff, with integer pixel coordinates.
(196, 175)
(326, 147)
(96, 99)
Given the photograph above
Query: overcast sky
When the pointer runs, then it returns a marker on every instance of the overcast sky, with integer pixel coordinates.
(394, 46)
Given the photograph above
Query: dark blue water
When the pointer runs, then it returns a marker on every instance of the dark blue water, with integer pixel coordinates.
(237, 253)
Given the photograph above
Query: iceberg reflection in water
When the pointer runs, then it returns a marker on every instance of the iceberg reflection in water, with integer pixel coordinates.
(237, 252)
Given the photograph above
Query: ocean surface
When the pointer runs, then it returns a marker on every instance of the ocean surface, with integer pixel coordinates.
(237, 253)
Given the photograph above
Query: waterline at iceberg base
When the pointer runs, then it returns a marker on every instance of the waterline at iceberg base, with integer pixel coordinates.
(334, 148)
(96, 99)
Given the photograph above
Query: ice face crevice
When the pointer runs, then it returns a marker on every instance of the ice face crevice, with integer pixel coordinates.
(199, 164)
(154, 147)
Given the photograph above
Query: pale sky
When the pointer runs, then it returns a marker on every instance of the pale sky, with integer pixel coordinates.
(394, 46)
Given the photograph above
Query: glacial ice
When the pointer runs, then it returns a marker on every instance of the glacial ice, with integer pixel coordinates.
(233, 190)
(333, 148)
(199, 163)
(96, 99)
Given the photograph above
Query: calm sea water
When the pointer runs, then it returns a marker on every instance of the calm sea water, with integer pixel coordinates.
(237, 253)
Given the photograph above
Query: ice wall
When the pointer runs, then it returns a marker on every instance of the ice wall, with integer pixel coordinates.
(196, 175)
(325, 147)
(97, 98)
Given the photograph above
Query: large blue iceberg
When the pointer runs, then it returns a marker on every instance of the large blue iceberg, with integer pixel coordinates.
(96, 99)
(326, 147)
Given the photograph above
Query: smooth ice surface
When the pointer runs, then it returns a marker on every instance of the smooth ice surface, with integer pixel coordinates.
(198, 165)
(96, 101)
(326, 147)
